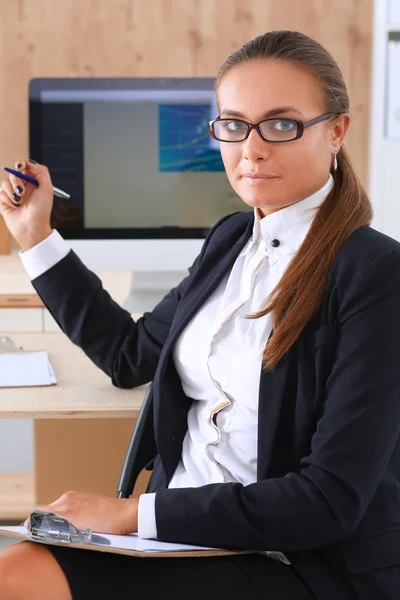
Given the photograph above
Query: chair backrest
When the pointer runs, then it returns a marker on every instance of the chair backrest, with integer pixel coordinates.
(142, 448)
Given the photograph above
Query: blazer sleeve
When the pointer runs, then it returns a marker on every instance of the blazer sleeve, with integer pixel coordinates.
(127, 350)
(350, 449)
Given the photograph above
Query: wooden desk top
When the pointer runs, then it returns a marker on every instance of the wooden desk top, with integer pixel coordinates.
(82, 389)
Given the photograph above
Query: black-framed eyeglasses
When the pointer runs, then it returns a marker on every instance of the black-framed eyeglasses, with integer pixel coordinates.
(271, 130)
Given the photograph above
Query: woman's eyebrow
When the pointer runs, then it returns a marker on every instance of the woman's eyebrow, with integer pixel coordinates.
(270, 113)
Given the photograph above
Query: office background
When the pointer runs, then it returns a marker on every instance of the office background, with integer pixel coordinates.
(123, 38)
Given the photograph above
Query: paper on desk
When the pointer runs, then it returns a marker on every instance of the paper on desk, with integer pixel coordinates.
(127, 542)
(26, 369)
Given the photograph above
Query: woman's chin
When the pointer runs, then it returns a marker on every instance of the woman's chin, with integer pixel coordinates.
(256, 198)
(255, 201)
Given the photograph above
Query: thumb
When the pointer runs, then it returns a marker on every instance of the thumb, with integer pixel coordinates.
(36, 170)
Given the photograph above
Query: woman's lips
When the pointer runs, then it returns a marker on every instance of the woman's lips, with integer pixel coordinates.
(257, 179)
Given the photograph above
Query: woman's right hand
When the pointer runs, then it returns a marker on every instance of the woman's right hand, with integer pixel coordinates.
(29, 220)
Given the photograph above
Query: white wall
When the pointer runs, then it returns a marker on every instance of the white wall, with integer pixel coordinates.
(16, 445)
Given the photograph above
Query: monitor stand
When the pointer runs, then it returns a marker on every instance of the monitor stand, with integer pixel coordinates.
(149, 287)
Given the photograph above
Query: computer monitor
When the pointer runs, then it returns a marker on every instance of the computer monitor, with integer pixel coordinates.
(145, 177)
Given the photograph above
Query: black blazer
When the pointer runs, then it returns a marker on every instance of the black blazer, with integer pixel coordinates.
(328, 488)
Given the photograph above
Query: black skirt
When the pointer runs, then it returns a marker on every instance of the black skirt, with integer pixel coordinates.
(102, 575)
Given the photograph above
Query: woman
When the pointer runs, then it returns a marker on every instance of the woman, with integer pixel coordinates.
(274, 363)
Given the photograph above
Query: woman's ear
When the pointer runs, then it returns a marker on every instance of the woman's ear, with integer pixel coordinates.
(340, 128)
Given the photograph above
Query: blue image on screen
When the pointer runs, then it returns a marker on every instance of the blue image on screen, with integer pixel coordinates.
(184, 141)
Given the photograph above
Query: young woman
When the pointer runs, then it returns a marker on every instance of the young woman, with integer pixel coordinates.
(275, 365)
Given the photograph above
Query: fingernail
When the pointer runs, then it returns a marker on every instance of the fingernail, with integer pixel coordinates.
(19, 165)
(32, 161)
(16, 204)
(16, 198)
(19, 189)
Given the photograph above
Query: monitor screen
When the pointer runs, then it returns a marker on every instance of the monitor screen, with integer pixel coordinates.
(135, 155)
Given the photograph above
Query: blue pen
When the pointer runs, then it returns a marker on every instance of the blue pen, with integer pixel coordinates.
(57, 191)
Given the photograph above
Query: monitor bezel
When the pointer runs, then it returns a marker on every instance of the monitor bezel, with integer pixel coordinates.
(39, 84)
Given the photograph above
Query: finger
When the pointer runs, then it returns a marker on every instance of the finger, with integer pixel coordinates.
(15, 198)
(20, 186)
(8, 196)
(5, 204)
(4, 199)
(34, 169)
(57, 501)
(19, 166)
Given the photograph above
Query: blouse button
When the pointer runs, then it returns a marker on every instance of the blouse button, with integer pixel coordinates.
(275, 243)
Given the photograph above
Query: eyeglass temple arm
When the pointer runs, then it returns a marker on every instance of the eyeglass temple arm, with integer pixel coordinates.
(319, 119)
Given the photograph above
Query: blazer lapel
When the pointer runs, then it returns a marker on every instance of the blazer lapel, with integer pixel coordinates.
(275, 420)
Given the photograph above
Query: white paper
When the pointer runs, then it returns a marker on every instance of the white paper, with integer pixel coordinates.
(27, 369)
(129, 542)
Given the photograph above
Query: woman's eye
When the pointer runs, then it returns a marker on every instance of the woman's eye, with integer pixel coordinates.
(284, 125)
(233, 126)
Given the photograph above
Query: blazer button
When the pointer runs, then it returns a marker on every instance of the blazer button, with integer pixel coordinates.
(275, 243)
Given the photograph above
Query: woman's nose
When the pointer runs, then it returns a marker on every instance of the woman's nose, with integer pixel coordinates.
(255, 148)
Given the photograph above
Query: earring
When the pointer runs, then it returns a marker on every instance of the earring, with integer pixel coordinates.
(335, 150)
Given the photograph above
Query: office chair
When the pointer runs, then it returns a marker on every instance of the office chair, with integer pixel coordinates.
(142, 448)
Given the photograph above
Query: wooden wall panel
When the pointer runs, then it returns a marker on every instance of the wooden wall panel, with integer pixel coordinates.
(106, 38)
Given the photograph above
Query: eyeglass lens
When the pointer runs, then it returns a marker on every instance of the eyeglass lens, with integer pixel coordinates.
(273, 130)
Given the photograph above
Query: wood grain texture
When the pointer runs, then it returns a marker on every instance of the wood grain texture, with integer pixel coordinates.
(79, 454)
(124, 38)
(20, 301)
(5, 238)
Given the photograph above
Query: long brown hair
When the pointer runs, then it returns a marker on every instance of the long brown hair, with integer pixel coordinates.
(298, 295)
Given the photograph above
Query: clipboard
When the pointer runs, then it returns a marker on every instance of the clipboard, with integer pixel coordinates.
(50, 528)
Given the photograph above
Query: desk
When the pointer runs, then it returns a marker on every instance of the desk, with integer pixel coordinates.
(82, 389)
(82, 426)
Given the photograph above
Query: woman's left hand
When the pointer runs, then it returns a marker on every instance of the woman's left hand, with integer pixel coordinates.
(101, 514)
